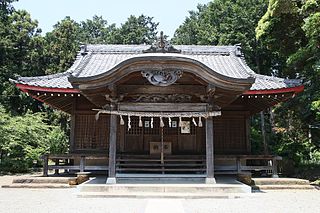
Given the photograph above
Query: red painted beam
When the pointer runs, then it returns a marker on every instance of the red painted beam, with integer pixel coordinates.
(25, 88)
(275, 91)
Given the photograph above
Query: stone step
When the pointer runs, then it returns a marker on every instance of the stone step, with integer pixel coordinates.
(38, 186)
(42, 180)
(283, 187)
(164, 188)
(161, 195)
(279, 181)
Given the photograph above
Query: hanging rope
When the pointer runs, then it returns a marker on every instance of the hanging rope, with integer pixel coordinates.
(200, 122)
(140, 121)
(160, 114)
(161, 122)
(151, 123)
(194, 122)
(129, 123)
(121, 120)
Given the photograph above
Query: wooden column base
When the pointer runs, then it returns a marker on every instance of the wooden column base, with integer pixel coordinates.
(111, 180)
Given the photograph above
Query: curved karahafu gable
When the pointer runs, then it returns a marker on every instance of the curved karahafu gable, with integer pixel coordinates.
(104, 64)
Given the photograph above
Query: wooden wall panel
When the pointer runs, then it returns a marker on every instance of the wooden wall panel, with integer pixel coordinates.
(91, 134)
(230, 134)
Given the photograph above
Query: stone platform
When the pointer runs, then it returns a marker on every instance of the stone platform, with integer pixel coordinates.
(40, 182)
(226, 187)
(280, 184)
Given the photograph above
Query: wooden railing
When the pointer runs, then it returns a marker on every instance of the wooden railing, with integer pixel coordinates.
(267, 163)
(67, 162)
(171, 163)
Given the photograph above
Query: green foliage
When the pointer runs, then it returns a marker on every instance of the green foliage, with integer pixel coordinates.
(21, 50)
(226, 22)
(62, 45)
(25, 138)
(136, 30)
(256, 141)
(95, 31)
(290, 30)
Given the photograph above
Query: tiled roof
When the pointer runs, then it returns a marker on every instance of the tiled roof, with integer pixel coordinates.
(98, 59)
(221, 59)
(264, 82)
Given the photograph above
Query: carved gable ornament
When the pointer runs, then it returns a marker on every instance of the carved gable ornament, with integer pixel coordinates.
(162, 78)
(161, 45)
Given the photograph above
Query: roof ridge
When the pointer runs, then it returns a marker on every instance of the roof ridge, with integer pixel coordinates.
(139, 48)
(81, 64)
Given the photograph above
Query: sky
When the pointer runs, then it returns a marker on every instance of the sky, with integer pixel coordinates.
(170, 13)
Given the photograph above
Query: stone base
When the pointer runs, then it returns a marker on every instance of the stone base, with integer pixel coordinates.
(245, 178)
(210, 181)
(82, 177)
(111, 180)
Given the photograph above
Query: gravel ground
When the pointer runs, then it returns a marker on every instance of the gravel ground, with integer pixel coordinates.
(65, 200)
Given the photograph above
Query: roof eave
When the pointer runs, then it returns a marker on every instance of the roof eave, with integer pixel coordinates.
(294, 90)
(26, 88)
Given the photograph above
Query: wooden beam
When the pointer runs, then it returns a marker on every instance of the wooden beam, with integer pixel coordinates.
(172, 89)
(163, 107)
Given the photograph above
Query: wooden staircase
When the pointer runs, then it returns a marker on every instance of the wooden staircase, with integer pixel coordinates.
(171, 164)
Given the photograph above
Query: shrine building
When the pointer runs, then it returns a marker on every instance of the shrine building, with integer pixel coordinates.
(160, 110)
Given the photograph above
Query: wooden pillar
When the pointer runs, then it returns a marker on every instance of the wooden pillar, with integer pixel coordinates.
(73, 127)
(82, 163)
(238, 165)
(56, 171)
(210, 151)
(112, 150)
(45, 165)
(274, 167)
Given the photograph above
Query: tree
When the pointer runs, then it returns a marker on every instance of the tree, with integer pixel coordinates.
(195, 29)
(290, 30)
(280, 31)
(61, 45)
(136, 30)
(227, 22)
(22, 50)
(94, 31)
(25, 138)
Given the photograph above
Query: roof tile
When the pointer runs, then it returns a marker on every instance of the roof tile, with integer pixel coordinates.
(102, 58)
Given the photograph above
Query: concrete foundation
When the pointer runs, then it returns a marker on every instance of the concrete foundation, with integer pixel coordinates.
(177, 188)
